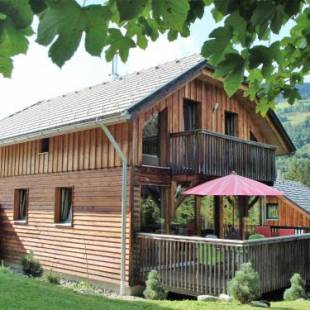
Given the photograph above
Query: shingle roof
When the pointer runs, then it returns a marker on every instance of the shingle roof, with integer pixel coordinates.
(297, 192)
(103, 100)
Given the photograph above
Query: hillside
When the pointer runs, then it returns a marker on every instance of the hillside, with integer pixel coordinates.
(296, 120)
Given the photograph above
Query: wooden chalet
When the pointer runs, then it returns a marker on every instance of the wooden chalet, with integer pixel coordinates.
(290, 211)
(91, 182)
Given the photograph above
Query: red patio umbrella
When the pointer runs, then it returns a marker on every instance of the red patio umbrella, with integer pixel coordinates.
(233, 185)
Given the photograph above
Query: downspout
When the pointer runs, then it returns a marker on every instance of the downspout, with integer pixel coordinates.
(124, 205)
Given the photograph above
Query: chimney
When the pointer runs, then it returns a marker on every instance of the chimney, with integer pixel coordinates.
(115, 74)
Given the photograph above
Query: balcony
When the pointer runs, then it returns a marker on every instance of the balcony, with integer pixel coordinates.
(213, 154)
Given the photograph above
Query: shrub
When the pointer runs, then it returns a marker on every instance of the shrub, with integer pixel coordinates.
(84, 288)
(153, 289)
(297, 289)
(31, 266)
(53, 277)
(256, 236)
(245, 286)
(3, 268)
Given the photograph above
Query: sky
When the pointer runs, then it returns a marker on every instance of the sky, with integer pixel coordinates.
(36, 78)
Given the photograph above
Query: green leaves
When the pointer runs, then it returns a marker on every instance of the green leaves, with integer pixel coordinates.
(240, 44)
(65, 21)
(118, 44)
(129, 9)
(232, 69)
(96, 28)
(19, 12)
(219, 44)
(170, 13)
(15, 21)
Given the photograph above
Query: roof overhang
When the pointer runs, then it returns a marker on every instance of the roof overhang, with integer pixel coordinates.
(111, 119)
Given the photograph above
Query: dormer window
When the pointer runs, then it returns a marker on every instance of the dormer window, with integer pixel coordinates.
(44, 145)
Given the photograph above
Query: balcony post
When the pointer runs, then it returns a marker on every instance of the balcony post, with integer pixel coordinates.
(218, 217)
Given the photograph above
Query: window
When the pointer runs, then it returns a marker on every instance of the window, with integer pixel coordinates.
(44, 146)
(272, 211)
(20, 204)
(63, 205)
(231, 123)
(191, 113)
(152, 208)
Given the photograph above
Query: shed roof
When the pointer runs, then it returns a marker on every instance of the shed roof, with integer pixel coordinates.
(296, 192)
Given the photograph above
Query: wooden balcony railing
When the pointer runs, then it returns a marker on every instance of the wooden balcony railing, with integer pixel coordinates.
(195, 266)
(214, 154)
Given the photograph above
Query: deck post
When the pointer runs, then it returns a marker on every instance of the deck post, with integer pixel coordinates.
(218, 217)
(243, 212)
(197, 215)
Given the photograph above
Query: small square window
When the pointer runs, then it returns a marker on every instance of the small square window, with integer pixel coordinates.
(272, 211)
(63, 205)
(44, 145)
(20, 204)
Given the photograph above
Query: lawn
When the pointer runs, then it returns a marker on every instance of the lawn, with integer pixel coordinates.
(18, 292)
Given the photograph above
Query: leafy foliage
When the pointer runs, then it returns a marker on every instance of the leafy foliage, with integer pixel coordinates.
(256, 237)
(245, 286)
(240, 45)
(53, 277)
(297, 289)
(31, 266)
(153, 288)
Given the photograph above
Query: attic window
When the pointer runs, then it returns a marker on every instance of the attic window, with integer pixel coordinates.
(44, 145)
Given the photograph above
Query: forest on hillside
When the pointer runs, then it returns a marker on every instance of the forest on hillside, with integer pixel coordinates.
(296, 120)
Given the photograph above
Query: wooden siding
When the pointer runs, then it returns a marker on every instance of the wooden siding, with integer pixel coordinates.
(84, 150)
(91, 248)
(209, 95)
(289, 213)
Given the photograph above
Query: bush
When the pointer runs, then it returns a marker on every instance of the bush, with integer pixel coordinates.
(297, 289)
(3, 268)
(52, 277)
(256, 236)
(245, 286)
(153, 289)
(31, 266)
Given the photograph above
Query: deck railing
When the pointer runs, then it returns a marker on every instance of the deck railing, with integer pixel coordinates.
(194, 265)
(297, 230)
(214, 154)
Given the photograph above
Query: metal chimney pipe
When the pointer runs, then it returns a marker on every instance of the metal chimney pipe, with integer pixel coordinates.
(115, 73)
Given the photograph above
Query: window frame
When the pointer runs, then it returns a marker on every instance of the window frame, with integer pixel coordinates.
(268, 206)
(44, 145)
(196, 109)
(16, 211)
(235, 117)
(57, 208)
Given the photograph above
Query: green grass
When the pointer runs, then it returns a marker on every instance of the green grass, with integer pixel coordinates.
(17, 292)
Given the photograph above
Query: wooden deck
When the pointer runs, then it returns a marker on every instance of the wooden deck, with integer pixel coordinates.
(209, 153)
(194, 265)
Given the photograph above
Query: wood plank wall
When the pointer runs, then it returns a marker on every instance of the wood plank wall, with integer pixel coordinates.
(289, 214)
(84, 150)
(208, 95)
(91, 248)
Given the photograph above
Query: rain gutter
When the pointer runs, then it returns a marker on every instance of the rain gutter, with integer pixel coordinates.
(124, 206)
